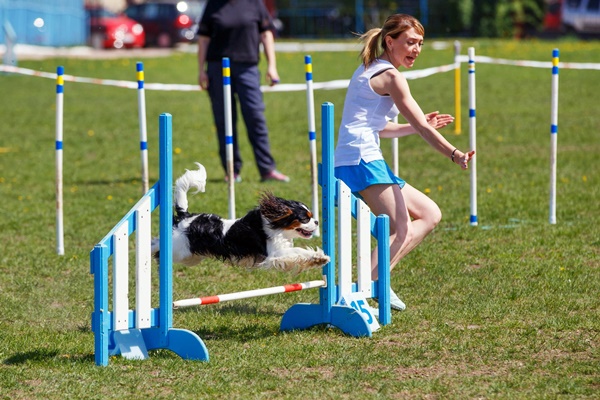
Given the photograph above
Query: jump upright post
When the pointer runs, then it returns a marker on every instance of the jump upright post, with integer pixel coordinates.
(121, 330)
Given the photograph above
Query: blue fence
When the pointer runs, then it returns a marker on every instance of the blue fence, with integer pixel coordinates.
(44, 22)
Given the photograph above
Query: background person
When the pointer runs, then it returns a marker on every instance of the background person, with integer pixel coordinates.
(377, 92)
(234, 29)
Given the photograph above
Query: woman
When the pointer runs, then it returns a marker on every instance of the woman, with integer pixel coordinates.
(377, 92)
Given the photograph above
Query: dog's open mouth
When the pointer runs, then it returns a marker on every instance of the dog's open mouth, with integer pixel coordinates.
(304, 233)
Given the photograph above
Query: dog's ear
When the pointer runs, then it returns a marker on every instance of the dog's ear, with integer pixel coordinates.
(273, 208)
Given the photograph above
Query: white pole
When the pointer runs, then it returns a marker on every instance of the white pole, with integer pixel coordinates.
(472, 136)
(312, 139)
(142, 122)
(395, 161)
(553, 135)
(229, 136)
(60, 241)
(199, 301)
(457, 116)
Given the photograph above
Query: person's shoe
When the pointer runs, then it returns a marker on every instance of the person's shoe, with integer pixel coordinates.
(237, 178)
(275, 176)
(395, 302)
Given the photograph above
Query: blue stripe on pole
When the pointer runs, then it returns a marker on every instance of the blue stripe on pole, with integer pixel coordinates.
(555, 53)
(225, 62)
(140, 84)
(553, 129)
(312, 135)
(139, 66)
(228, 139)
(143, 145)
(60, 70)
(226, 80)
(554, 70)
(473, 219)
(471, 71)
(59, 145)
(309, 76)
(307, 59)
(471, 113)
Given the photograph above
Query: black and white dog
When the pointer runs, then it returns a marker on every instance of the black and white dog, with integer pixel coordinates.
(263, 238)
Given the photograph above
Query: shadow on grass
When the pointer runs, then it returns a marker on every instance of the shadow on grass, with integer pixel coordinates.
(45, 356)
(243, 323)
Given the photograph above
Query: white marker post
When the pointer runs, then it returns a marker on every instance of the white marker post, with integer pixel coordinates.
(60, 240)
(472, 136)
(229, 135)
(553, 135)
(312, 139)
(142, 122)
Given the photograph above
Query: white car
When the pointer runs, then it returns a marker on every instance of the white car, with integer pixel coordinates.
(581, 16)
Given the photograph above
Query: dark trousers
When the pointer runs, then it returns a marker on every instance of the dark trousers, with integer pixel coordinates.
(245, 84)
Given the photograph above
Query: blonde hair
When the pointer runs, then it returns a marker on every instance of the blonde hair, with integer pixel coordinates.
(374, 39)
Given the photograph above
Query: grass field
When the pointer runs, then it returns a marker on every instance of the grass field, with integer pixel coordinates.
(508, 309)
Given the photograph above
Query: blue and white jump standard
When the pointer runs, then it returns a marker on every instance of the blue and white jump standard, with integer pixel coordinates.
(132, 333)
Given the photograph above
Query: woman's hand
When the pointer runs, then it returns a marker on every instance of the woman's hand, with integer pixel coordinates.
(463, 160)
(438, 120)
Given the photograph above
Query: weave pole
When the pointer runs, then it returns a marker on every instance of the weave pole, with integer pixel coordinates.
(312, 139)
(553, 135)
(293, 287)
(395, 157)
(142, 123)
(60, 240)
(472, 136)
(229, 135)
(457, 111)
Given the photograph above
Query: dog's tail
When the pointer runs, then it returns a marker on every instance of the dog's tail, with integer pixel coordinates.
(190, 179)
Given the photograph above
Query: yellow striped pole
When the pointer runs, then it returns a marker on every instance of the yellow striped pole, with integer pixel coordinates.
(457, 126)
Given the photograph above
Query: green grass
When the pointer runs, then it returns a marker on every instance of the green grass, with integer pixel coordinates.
(508, 309)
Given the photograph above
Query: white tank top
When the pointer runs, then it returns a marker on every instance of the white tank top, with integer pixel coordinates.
(365, 114)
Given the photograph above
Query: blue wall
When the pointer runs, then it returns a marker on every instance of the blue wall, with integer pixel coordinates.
(64, 21)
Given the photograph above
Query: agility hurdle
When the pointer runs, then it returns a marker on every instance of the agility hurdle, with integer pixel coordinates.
(342, 301)
(132, 333)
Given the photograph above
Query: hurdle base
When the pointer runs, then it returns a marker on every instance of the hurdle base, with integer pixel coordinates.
(186, 344)
(304, 315)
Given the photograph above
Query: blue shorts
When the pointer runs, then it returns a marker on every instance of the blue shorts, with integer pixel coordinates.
(361, 176)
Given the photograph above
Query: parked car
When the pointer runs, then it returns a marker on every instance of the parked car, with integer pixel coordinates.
(109, 30)
(573, 16)
(581, 16)
(167, 23)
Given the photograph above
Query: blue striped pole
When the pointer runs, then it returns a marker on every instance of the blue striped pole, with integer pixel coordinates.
(312, 138)
(472, 136)
(60, 241)
(553, 135)
(142, 122)
(228, 135)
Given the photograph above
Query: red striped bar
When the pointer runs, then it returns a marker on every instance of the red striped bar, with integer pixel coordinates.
(292, 287)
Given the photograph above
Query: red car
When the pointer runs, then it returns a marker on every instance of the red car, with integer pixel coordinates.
(113, 31)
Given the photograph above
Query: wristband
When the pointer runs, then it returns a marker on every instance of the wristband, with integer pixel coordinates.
(452, 155)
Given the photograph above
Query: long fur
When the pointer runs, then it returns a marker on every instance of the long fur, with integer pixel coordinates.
(263, 238)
